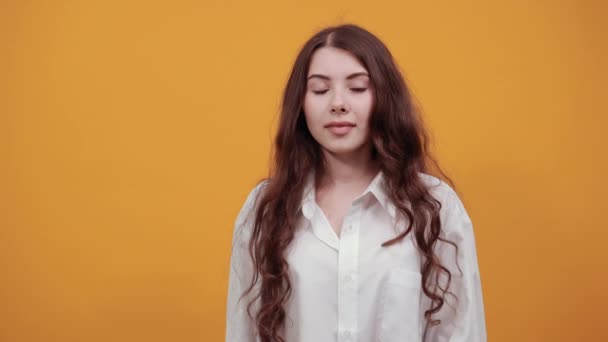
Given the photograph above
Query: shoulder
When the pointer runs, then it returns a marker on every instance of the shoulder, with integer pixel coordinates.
(439, 189)
(452, 208)
(256, 192)
(248, 208)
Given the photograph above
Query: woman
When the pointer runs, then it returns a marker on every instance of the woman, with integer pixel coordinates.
(351, 239)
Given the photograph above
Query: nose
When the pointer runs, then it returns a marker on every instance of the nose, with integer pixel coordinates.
(338, 106)
(338, 109)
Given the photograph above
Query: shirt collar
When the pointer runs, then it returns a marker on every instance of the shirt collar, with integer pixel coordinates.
(377, 187)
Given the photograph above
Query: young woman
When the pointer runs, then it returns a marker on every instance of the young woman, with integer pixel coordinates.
(352, 238)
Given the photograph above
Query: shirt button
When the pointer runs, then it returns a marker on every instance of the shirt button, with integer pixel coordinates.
(349, 278)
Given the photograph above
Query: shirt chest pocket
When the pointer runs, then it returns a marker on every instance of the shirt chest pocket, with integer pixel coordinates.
(399, 318)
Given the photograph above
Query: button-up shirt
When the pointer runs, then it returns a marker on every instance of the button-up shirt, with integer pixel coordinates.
(348, 288)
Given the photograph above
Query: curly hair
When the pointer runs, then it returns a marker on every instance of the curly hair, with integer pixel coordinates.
(399, 144)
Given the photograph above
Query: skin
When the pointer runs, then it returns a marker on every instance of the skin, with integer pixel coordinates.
(339, 90)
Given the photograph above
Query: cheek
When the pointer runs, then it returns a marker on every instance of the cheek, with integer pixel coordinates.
(366, 103)
(312, 111)
(311, 104)
(364, 109)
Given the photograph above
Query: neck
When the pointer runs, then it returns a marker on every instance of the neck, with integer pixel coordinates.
(347, 169)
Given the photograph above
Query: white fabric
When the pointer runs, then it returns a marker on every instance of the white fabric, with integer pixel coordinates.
(348, 288)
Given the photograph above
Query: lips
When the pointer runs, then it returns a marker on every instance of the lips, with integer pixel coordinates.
(340, 128)
(340, 124)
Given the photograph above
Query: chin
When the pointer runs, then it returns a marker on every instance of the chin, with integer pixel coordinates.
(343, 149)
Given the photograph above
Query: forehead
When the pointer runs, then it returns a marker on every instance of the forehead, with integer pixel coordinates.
(335, 63)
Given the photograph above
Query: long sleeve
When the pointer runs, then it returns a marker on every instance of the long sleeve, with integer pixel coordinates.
(239, 326)
(462, 318)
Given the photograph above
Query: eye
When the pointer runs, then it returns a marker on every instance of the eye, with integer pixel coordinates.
(358, 90)
(319, 92)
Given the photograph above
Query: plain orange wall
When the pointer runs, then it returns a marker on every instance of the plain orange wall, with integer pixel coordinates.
(131, 132)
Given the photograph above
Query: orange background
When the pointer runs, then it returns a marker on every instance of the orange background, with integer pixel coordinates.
(131, 132)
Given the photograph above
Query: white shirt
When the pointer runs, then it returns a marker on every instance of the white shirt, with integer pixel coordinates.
(349, 288)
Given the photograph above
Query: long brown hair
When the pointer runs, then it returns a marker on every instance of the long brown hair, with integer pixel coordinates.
(399, 144)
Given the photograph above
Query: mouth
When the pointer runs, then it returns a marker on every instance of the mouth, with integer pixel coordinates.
(339, 124)
(340, 128)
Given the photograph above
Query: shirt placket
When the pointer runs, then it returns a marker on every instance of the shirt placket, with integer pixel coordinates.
(348, 274)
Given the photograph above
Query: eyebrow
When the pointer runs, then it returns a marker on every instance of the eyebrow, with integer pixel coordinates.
(349, 77)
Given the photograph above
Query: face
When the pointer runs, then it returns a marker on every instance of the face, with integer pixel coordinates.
(338, 101)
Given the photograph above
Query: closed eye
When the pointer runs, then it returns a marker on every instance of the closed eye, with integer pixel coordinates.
(356, 90)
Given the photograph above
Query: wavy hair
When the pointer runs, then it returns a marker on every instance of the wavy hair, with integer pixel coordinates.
(400, 145)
